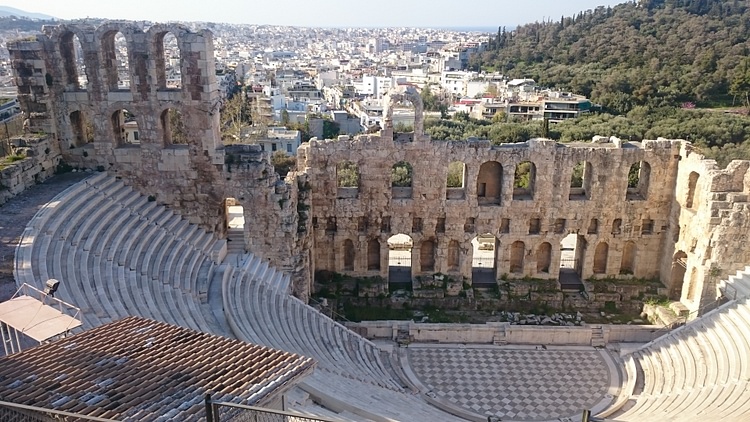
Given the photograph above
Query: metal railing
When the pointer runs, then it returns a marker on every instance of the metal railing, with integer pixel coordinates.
(13, 412)
(684, 319)
(571, 263)
(483, 262)
(333, 314)
(226, 412)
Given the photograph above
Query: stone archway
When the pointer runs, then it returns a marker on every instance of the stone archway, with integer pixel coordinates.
(404, 93)
(484, 260)
(679, 267)
(399, 261)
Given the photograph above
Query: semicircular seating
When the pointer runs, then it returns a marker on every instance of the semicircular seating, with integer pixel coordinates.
(93, 237)
(700, 371)
(116, 254)
(352, 373)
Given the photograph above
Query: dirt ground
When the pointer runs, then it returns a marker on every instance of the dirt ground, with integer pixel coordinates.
(16, 213)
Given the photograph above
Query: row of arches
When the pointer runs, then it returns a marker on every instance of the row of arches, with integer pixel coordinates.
(485, 257)
(125, 128)
(116, 59)
(489, 183)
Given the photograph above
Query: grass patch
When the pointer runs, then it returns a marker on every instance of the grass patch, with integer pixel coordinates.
(372, 313)
(662, 301)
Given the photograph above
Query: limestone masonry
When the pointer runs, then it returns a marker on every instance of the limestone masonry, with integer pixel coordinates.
(683, 220)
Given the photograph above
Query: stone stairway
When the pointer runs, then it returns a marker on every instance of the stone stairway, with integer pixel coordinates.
(235, 241)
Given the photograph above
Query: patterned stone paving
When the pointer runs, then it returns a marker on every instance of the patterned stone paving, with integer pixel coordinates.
(524, 385)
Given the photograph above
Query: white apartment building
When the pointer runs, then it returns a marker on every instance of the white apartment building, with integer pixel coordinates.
(281, 139)
(456, 82)
(375, 86)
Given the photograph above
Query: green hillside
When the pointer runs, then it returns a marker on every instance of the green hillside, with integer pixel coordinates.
(653, 52)
(651, 64)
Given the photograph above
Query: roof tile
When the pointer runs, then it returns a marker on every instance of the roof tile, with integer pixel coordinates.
(142, 368)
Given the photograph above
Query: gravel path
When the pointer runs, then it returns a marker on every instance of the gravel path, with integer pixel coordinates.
(16, 213)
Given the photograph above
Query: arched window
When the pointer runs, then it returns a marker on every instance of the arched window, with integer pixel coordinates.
(125, 128)
(373, 255)
(616, 226)
(73, 64)
(173, 127)
(638, 181)
(601, 253)
(517, 254)
(168, 55)
(456, 181)
(83, 129)
(627, 265)
(692, 184)
(543, 257)
(401, 180)
(524, 180)
(580, 181)
(427, 256)
(347, 175)
(348, 255)
(490, 183)
(116, 61)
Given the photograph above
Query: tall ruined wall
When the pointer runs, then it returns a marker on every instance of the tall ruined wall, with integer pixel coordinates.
(194, 175)
(710, 224)
(187, 172)
(276, 221)
(433, 213)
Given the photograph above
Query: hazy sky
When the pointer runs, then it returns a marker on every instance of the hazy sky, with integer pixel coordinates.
(338, 13)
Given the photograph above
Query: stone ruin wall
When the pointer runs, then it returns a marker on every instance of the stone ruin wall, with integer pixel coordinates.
(371, 212)
(688, 228)
(193, 178)
(709, 226)
(42, 158)
(304, 222)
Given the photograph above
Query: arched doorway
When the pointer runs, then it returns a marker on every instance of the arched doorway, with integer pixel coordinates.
(679, 267)
(572, 251)
(234, 221)
(483, 260)
(399, 261)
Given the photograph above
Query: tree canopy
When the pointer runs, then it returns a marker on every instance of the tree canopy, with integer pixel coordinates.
(651, 52)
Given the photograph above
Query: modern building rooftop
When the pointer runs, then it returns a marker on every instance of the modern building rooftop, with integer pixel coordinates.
(140, 369)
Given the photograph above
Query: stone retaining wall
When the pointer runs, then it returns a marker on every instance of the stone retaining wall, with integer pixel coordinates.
(504, 333)
(42, 159)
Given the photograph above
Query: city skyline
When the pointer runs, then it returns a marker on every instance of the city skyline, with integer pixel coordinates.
(329, 13)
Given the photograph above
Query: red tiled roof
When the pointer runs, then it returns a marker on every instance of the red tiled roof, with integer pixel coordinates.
(139, 369)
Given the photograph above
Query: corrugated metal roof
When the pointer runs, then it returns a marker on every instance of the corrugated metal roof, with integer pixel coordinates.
(140, 369)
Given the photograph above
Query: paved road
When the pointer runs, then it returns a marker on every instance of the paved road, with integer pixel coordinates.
(16, 213)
